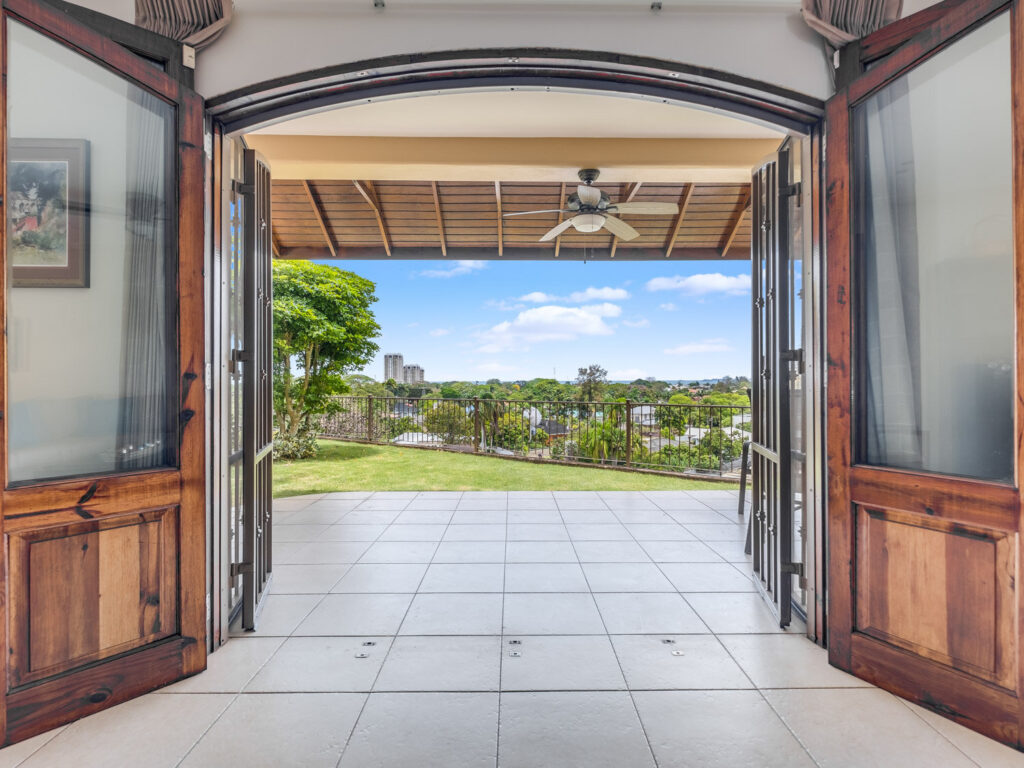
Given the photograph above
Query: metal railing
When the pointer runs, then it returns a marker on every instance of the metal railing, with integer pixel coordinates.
(705, 439)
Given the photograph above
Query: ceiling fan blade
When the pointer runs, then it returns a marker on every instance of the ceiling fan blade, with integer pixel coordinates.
(556, 231)
(588, 195)
(645, 208)
(528, 213)
(620, 229)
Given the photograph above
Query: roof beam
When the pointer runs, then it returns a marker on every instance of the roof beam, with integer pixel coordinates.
(369, 194)
(684, 203)
(440, 219)
(501, 234)
(561, 216)
(734, 227)
(530, 253)
(629, 192)
(318, 214)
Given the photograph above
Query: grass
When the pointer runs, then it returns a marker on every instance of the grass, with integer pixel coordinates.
(356, 467)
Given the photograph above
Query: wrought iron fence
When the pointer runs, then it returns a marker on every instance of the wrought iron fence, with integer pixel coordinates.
(705, 439)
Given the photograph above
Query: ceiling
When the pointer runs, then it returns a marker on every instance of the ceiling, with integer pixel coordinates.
(464, 220)
(523, 114)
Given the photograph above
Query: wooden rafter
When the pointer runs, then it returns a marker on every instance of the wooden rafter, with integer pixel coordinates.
(440, 218)
(318, 214)
(501, 233)
(684, 203)
(561, 202)
(627, 197)
(734, 226)
(366, 189)
(275, 243)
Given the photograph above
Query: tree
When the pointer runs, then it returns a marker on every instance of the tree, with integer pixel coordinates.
(323, 328)
(591, 381)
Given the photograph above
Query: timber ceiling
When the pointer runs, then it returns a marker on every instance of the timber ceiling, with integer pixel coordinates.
(463, 220)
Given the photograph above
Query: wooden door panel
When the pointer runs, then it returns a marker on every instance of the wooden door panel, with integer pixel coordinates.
(942, 590)
(104, 594)
(85, 592)
(923, 564)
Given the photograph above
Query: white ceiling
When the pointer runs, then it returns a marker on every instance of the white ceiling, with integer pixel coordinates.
(523, 114)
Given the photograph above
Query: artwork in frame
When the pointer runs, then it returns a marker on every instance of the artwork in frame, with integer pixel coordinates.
(48, 213)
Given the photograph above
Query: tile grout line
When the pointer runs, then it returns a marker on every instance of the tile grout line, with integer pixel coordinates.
(501, 640)
(916, 714)
(608, 638)
(394, 637)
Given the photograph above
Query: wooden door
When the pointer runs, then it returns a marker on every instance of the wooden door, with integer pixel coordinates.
(924, 234)
(103, 424)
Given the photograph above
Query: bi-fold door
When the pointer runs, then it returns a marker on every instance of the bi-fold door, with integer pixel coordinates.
(255, 357)
(102, 502)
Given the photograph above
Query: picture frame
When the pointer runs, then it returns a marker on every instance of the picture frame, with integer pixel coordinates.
(48, 213)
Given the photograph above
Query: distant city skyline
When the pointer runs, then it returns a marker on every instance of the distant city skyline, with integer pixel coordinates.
(512, 320)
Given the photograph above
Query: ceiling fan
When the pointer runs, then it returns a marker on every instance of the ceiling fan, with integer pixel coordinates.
(593, 208)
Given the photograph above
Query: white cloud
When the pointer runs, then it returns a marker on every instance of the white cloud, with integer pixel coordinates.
(440, 332)
(463, 267)
(668, 307)
(700, 285)
(640, 322)
(549, 323)
(538, 297)
(607, 293)
(413, 325)
(628, 374)
(701, 347)
(504, 306)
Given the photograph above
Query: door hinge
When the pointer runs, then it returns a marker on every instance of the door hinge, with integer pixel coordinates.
(790, 190)
(793, 356)
(241, 188)
(794, 568)
(237, 569)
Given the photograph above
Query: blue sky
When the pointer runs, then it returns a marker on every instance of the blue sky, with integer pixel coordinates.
(475, 320)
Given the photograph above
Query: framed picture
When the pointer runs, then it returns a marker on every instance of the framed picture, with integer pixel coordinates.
(48, 213)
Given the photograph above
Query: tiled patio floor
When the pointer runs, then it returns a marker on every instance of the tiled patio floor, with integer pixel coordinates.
(526, 630)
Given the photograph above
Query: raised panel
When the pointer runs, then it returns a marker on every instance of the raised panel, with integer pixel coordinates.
(88, 591)
(940, 589)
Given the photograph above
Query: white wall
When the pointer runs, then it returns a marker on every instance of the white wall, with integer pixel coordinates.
(271, 39)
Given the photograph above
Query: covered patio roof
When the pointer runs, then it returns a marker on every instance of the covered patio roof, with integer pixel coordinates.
(362, 219)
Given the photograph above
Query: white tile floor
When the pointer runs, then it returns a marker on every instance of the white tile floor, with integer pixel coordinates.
(524, 630)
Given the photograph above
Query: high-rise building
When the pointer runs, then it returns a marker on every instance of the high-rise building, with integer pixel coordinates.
(412, 374)
(394, 368)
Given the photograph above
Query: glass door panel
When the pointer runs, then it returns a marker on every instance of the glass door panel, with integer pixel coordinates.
(934, 237)
(91, 232)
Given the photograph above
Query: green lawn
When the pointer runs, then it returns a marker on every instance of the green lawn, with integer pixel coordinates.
(356, 467)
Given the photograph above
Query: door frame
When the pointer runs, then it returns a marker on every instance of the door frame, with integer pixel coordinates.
(892, 52)
(40, 706)
(271, 101)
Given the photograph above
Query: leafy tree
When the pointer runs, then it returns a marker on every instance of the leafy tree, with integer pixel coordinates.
(359, 384)
(323, 328)
(449, 421)
(591, 381)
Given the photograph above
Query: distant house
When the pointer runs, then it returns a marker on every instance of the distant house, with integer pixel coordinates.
(419, 438)
(553, 428)
(643, 416)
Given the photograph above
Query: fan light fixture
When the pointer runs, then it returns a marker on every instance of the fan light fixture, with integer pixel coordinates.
(593, 209)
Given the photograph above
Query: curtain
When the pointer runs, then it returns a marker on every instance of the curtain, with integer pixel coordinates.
(193, 22)
(843, 21)
(143, 428)
(887, 219)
